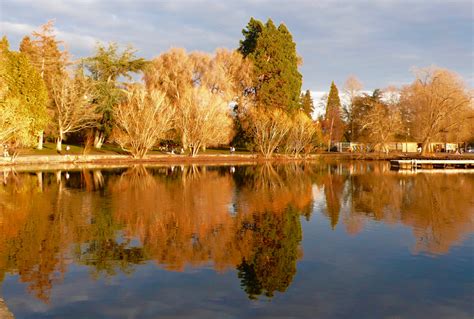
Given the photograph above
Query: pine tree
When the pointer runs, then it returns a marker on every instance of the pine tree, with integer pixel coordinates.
(333, 124)
(307, 105)
(251, 34)
(277, 81)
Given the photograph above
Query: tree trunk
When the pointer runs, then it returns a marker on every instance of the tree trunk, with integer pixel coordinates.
(425, 148)
(330, 135)
(99, 140)
(59, 143)
(58, 177)
(195, 149)
(40, 141)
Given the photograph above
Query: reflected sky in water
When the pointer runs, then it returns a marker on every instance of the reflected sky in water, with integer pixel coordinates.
(346, 240)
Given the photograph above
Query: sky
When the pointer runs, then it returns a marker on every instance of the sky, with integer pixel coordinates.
(379, 41)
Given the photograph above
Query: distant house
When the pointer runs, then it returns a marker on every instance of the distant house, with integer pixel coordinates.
(404, 147)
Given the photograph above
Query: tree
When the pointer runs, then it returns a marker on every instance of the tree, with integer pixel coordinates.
(352, 88)
(272, 263)
(380, 121)
(141, 120)
(44, 53)
(301, 136)
(105, 67)
(268, 128)
(23, 98)
(201, 89)
(251, 34)
(306, 102)
(11, 119)
(46, 57)
(333, 125)
(436, 103)
(203, 119)
(277, 81)
(72, 104)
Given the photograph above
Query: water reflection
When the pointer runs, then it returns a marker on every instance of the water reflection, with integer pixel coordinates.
(246, 218)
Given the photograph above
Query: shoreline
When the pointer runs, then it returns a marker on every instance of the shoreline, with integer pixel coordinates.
(220, 159)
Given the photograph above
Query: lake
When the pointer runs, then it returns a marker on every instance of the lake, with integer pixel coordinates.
(319, 240)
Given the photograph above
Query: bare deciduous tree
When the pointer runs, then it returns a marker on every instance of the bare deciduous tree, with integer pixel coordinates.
(300, 138)
(381, 123)
(72, 106)
(435, 104)
(203, 119)
(268, 128)
(352, 88)
(144, 118)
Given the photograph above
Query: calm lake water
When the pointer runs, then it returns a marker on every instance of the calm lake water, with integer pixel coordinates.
(347, 240)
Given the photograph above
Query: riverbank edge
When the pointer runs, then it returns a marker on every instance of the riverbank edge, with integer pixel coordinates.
(204, 158)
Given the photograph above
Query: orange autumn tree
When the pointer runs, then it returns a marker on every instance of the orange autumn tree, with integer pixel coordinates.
(200, 88)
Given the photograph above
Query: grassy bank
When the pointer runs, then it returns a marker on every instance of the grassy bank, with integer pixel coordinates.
(111, 154)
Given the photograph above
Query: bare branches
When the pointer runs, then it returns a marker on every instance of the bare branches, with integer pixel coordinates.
(381, 123)
(301, 135)
(269, 128)
(439, 104)
(71, 99)
(144, 118)
(203, 119)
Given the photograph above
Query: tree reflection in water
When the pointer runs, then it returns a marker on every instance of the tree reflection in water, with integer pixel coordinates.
(247, 218)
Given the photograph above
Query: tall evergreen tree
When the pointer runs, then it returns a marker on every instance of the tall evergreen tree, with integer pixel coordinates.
(277, 81)
(23, 89)
(333, 124)
(251, 34)
(307, 105)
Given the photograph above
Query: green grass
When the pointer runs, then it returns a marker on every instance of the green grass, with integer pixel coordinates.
(50, 149)
(110, 149)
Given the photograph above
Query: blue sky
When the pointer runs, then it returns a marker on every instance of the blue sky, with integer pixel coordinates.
(378, 41)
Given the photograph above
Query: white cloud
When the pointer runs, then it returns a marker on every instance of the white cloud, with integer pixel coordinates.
(376, 40)
(17, 29)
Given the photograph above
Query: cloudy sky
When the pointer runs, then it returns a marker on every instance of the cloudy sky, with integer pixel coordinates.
(379, 41)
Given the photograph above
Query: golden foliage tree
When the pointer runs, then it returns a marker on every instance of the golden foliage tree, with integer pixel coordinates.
(200, 88)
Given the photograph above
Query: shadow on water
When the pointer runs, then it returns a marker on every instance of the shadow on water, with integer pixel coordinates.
(247, 218)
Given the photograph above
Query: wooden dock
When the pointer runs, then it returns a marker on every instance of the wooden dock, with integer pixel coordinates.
(413, 164)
